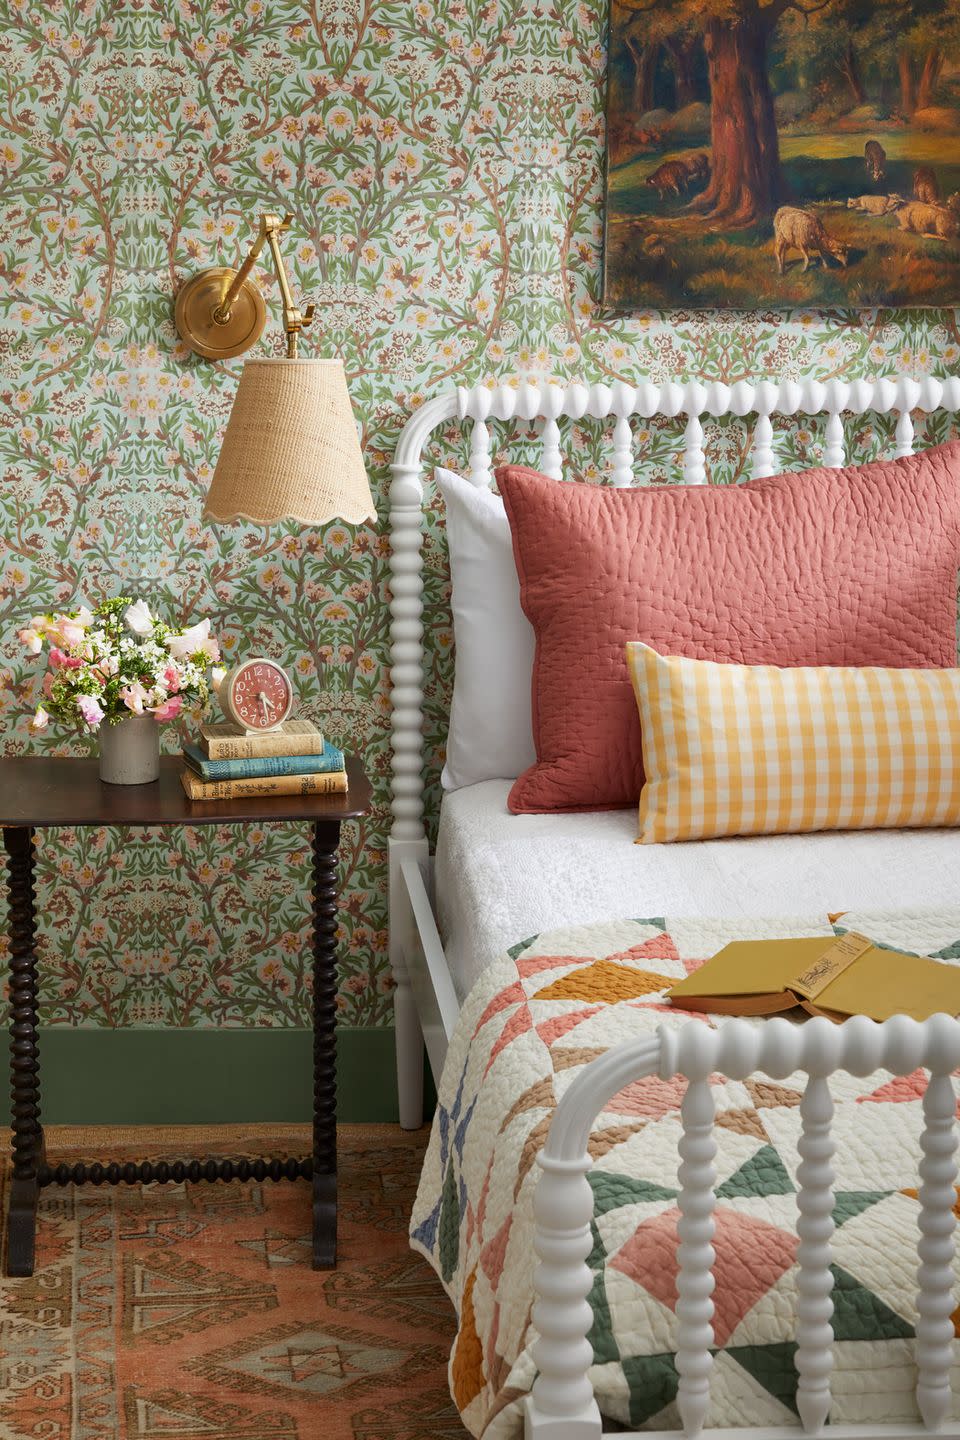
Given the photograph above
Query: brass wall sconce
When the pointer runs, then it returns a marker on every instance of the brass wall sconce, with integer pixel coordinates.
(221, 312)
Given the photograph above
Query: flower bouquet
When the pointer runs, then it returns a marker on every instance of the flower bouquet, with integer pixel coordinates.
(117, 670)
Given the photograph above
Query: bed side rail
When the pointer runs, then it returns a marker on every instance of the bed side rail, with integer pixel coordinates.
(561, 1405)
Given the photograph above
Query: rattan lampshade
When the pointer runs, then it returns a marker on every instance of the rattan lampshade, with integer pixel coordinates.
(291, 449)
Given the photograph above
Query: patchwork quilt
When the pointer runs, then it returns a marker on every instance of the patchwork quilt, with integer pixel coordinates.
(552, 1004)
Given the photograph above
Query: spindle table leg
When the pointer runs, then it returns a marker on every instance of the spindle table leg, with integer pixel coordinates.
(27, 1144)
(326, 838)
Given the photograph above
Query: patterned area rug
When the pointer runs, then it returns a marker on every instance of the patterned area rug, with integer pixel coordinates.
(190, 1312)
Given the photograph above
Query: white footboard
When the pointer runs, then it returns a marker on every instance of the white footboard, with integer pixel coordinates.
(562, 1406)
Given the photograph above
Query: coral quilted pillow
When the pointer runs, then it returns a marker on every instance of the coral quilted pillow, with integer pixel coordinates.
(825, 567)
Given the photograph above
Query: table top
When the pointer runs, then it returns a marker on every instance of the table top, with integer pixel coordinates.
(43, 791)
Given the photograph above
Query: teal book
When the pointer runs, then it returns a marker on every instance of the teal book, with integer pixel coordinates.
(264, 765)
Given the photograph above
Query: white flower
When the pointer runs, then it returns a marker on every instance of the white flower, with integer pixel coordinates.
(84, 617)
(138, 618)
(218, 674)
(189, 641)
(40, 721)
(32, 639)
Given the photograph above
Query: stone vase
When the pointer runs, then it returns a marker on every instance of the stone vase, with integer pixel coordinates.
(130, 751)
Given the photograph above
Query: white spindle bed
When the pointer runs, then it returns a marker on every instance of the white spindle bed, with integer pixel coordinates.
(562, 1405)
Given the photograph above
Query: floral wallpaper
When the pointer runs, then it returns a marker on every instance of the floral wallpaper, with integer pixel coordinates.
(442, 160)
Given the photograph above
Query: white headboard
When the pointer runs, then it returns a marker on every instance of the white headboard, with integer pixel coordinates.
(550, 403)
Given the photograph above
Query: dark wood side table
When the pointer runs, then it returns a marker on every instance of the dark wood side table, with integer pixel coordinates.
(37, 792)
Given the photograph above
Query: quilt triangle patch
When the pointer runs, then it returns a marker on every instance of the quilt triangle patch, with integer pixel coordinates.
(658, 947)
(611, 1191)
(772, 1366)
(539, 1096)
(762, 1174)
(550, 1030)
(449, 1232)
(533, 964)
(848, 1204)
(515, 951)
(898, 1090)
(652, 1381)
(743, 1122)
(426, 1231)
(859, 1314)
(649, 1258)
(650, 1097)
(604, 980)
(466, 1363)
(767, 1096)
(493, 1253)
(511, 995)
(601, 1334)
(518, 1024)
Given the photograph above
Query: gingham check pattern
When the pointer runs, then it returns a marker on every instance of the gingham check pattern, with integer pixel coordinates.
(758, 750)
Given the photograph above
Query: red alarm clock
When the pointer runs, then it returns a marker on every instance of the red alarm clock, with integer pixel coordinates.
(256, 695)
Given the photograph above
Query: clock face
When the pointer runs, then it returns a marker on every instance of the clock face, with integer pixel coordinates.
(258, 695)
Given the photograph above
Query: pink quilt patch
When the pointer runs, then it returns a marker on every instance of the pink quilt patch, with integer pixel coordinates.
(751, 1257)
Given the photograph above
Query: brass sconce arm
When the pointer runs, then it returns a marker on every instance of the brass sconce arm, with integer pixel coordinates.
(221, 312)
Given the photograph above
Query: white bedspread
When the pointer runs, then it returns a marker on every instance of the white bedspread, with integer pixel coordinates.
(503, 877)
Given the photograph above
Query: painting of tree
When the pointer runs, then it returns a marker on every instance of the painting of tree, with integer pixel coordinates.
(781, 153)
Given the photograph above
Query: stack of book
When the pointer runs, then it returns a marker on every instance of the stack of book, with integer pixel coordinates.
(294, 759)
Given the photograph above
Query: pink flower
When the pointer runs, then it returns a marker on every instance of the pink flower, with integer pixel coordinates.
(169, 710)
(91, 711)
(66, 631)
(171, 679)
(40, 720)
(60, 661)
(134, 697)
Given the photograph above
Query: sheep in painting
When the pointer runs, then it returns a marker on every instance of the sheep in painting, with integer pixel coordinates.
(875, 160)
(934, 222)
(874, 204)
(795, 229)
(925, 186)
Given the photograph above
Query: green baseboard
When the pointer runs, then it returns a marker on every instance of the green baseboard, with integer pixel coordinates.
(208, 1077)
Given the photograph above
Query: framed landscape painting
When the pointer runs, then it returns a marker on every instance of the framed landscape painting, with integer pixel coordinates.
(767, 154)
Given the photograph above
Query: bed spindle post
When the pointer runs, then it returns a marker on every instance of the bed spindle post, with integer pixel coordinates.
(622, 475)
(764, 459)
(407, 836)
(695, 1256)
(480, 455)
(551, 461)
(834, 452)
(694, 460)
(935, 1301)
(814, 1357)
(561, 1405)
(408, 839)
(904, 435)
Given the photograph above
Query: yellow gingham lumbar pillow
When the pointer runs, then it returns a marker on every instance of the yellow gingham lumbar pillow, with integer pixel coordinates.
(758, 750)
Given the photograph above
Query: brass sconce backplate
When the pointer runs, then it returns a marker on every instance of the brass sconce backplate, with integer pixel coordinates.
(198, 303)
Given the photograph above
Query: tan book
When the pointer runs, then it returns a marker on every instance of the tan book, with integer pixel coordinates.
(294, 737)
(328, 784)
(838, 977)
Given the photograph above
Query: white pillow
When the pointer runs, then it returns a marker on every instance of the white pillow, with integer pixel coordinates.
(491, 732)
